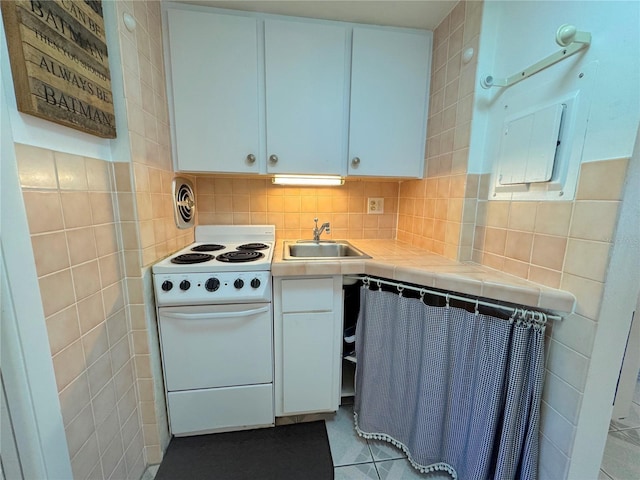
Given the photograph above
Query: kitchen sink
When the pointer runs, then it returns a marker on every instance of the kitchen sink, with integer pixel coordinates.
(322, 250)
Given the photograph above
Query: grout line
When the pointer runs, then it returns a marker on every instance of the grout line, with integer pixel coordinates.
(375, 466)
(624, 428)
(605, 474)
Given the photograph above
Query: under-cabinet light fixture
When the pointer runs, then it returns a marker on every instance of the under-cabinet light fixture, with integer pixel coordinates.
(308, 180)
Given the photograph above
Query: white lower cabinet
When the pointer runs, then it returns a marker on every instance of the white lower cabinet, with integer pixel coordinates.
(307, 341)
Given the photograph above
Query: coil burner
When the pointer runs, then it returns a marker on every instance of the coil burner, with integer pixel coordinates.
(208, 247)
(240, 256)
(188, 258)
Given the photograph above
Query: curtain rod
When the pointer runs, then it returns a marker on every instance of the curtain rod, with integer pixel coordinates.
(402, 286)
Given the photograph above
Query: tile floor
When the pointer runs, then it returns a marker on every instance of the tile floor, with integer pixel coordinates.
(355, 458)
(621, 459)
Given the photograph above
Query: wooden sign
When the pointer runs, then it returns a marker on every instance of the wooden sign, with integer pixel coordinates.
(59, 61)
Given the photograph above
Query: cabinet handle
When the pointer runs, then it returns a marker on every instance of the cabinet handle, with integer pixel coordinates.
(251, 158)
(355, 161)
(273, 159)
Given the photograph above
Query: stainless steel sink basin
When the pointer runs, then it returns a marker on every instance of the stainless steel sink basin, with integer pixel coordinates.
(322, 250)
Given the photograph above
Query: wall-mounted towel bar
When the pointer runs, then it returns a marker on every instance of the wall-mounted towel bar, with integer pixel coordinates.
(449, 296)
(566, 36)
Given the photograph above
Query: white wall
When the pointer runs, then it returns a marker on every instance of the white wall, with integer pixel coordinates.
(31, 130)
(517, 34)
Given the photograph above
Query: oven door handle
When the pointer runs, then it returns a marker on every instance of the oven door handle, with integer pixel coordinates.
(210, 315)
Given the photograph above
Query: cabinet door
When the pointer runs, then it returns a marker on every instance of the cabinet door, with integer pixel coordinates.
(214, 73)
(389, 98)
(306, 97)
(307, 341)
(308, 347)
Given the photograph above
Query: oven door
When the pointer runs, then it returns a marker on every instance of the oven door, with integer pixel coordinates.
(216, 345)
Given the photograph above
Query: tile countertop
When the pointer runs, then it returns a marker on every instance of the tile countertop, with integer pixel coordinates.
(402, 262)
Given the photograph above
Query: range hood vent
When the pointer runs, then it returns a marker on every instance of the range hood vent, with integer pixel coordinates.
(184, 203)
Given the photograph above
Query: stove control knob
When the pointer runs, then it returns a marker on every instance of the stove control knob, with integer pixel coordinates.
(185, 284)
(212, 284)
(167, 285)
(239, 283)
(255, 283)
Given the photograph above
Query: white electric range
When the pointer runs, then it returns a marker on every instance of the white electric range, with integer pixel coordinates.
(226, 264)
(216, 330)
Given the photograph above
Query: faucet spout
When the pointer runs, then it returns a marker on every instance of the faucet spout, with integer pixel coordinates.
(325, 227)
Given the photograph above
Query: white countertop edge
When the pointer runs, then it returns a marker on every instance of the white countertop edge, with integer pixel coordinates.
(479, 280)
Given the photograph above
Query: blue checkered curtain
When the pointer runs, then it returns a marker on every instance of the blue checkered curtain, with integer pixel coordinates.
(457, 391)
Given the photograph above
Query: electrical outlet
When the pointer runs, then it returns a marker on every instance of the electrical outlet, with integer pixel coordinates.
(375, 205)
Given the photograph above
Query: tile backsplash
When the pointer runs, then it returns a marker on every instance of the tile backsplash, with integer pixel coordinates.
(437, 213)
(238, 201)
(549, 242)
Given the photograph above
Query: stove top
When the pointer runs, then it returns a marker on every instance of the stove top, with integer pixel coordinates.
(221, 248)
(226, 264)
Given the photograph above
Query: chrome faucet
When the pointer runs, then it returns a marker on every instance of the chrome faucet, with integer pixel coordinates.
(325, 227)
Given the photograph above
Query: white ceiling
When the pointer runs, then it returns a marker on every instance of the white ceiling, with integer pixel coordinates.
(399, 13)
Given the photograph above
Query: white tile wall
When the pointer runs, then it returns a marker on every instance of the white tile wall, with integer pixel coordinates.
(555, 427)
(553, 463)
(565, 399)
(568, 365)
(576, 332)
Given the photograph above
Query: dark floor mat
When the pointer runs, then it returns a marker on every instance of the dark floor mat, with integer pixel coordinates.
(299, 451)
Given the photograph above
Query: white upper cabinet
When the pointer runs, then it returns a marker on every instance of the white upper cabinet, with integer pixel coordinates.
(264, 94)
(214, 73)
(306, 96)
(390, 71)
